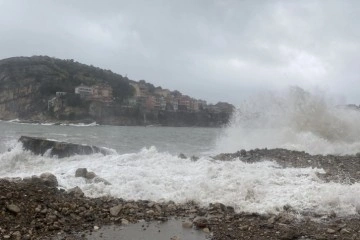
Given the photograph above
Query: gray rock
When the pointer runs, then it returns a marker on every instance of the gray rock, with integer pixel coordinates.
(49, 179)
(171, 207)
(124, 221)
(114, 211)
(76, 191)
(182, 156)
(81, 172)
(150, 212)
(13, 208)
(90, 175)
(271, 220)
(206, 230)
(99, 180)
(243, 152)
(158, 208)
(331, 231)
(218, 206)
(187, 224)
(200, 222)
(61, 149)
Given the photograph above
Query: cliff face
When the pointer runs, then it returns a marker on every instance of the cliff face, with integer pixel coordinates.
(19, 92)
(27, 83)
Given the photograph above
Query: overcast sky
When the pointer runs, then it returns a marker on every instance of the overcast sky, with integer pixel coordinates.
(217, 50)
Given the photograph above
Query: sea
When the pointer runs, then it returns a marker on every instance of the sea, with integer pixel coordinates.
(144, 161)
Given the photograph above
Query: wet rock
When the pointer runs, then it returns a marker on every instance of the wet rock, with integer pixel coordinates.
(158, 208)
(150, 212)
(76, 191)
(114, 211)
(81, 172)
(187, 224)
(49, 179)
(13, 208)
(90, 175)
(344, 231)
(271, 220)
(182, 156)
(61, 149)
(171, 207)
(124, 221)
(206, 230)
(101, 180)
(218, 206)
(200, 222)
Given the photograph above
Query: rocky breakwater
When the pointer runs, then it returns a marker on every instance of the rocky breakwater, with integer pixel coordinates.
(60, 149)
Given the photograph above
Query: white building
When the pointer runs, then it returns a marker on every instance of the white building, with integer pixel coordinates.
(84, 91)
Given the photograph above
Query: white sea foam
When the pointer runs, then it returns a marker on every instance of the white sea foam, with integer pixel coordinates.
(149, 174)
(81, 124)
(296, 120)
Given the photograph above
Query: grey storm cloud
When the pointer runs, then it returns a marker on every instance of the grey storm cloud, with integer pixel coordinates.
(222, 50)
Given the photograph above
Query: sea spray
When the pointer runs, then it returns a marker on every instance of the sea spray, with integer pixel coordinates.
(296, 120)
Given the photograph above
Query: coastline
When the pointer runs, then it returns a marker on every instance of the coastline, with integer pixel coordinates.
(91, 122)
(32, 208)
(49, 213)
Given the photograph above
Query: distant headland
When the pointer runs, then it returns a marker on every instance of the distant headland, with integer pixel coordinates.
(45, 89)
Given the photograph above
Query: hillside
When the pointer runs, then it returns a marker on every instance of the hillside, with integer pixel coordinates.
(42, 88)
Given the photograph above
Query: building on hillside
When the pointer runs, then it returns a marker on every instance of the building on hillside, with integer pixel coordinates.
(162, 92)
(184, 103)
(84, 91)
(150, 103)
(160, 103)
(144, 90)
(175, 104)
(194, 105)
(102, 93)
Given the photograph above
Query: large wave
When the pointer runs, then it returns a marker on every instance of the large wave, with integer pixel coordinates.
(293, 119)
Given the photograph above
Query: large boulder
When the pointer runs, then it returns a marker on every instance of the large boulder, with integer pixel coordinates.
(90, 176)
(49, 179)
(61, 149)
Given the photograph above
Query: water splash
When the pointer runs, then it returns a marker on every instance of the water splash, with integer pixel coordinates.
(294, 119)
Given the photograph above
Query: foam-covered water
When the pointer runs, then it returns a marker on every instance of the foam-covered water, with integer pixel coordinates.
(144, 162)
(149, 174)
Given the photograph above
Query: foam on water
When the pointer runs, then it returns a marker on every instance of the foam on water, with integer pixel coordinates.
(296, 120)
(149, 174)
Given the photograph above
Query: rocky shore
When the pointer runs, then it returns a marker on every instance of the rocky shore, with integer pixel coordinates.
(37, 208)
